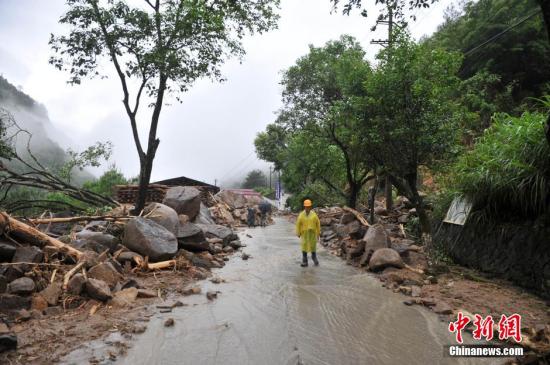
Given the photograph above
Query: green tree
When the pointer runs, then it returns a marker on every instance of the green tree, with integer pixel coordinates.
(411, 98)
(107, 181)
(156, 48)
(91, 156)
(254, 179)
(321, 93)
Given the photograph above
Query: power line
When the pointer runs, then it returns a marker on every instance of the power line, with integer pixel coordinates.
(503, 32)
(232, 169)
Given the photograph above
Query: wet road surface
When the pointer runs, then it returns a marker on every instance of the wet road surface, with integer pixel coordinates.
(272, 311)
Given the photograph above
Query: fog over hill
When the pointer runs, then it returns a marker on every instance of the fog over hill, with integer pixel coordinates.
(47, 143)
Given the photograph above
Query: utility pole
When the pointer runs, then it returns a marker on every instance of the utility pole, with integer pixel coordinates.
(269, 177)
(387, 42)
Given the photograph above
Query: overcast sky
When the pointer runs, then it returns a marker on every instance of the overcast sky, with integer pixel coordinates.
(210, 135)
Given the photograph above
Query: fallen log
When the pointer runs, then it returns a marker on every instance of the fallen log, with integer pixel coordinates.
(33, 235)
(77, 219)
(357, 215)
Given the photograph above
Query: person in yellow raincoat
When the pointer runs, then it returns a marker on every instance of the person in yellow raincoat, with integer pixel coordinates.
(308, 228)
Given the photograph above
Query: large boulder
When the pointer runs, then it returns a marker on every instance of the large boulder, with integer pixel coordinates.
(21, 286)
(163, 215)
(204, 216)
(96, 241)
(150, 239)
(28, 254)
(218, 231)
(184, 200)
(375, 238)
(385, 257)
(191, 237)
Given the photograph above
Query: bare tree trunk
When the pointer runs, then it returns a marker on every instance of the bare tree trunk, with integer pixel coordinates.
(146, 162)
(353, 195)
(416, 199)
(372, 198)
(388, 193)
(545, 7)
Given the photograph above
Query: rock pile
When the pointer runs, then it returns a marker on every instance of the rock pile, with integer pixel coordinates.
(90, 258)
(231, 208)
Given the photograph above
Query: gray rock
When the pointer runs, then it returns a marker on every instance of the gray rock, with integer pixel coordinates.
(228, 249)
(7, 250)
(76, 284)
(218, 231)
(442, 308)
(3, 284)
(375, 238)
(105, 272)
(347, 218)
(52, 293)
(128, 256)
(125, 297)
(163, 215)
(236, 244)
(92, 239)
(12, 272)
(21, 286)
(150, 239)
(385, 257)
(380, 211)
(204, 216)
(98, 289)
(191, 237)
(28, 254)
(190, 232)
(197, 260)
(10, 302)
(8, 341)
(184, 200)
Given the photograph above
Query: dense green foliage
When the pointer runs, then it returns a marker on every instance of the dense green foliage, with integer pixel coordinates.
(106, 182)
(507, 174)
(254, 179)
(518, 58)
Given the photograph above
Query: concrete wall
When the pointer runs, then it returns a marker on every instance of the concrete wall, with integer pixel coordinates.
(519, 252)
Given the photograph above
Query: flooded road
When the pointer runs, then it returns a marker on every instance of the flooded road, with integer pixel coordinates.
(272, 311)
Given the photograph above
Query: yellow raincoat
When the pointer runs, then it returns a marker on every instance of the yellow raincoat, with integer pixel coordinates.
(308, 228)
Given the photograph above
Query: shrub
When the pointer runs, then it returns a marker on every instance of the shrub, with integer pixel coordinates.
(507, 173)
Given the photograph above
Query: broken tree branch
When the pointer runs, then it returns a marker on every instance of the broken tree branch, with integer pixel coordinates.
(77, 219)
(33, 235)
(71, 272)
(357, 215)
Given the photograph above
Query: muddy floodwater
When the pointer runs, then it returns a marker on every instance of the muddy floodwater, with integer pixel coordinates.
(272, 311)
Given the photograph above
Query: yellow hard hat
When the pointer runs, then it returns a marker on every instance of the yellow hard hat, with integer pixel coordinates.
(307, 203)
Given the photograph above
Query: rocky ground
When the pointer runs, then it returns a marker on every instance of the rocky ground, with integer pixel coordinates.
(403, 266)
(109, 274)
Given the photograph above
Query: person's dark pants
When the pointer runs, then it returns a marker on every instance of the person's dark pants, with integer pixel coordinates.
(313, 258)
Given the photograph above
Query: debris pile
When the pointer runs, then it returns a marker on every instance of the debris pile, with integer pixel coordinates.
(230, 208)
(50, 265)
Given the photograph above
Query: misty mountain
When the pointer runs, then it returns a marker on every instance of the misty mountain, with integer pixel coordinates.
(33, 117)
